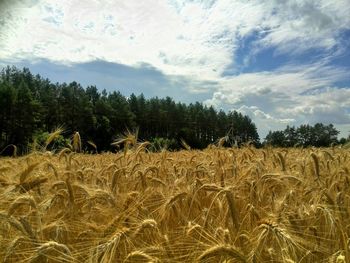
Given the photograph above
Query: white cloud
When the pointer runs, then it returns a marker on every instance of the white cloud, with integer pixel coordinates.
(126, 32)
(306, 24)
(290, 95)
(195, 38)
(263, 120)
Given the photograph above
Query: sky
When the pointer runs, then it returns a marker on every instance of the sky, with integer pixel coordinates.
(281, 62)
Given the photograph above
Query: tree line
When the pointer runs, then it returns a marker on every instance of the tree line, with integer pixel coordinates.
(32, 106)
(305, 135)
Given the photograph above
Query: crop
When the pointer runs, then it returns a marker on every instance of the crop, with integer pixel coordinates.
(216, 205)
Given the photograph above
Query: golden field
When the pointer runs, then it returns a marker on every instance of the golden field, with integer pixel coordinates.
(215, 205)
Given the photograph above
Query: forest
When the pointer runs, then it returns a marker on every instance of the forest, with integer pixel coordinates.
(32, 107)
(305, 135)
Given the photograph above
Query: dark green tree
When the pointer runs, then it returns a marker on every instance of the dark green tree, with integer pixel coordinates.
(33, 107)
(26, 116)
(276, 138)
(242, 129)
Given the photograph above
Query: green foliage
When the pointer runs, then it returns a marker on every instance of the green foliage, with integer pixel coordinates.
(31, 105)
(345, 142)
(58, 142)
(242, 130)
(319, 135)
(158, 144)
(190, 137)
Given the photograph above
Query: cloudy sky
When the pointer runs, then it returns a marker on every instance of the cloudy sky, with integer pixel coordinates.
(279, 61)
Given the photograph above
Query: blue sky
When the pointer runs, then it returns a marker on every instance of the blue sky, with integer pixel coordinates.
(280, 62)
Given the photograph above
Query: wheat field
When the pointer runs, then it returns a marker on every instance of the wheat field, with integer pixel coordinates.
(215, 205)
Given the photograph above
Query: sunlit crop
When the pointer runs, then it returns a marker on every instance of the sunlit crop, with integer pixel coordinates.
(215, 205)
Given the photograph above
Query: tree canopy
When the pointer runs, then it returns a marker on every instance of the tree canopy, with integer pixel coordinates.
(32, 106)
(305, 135)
